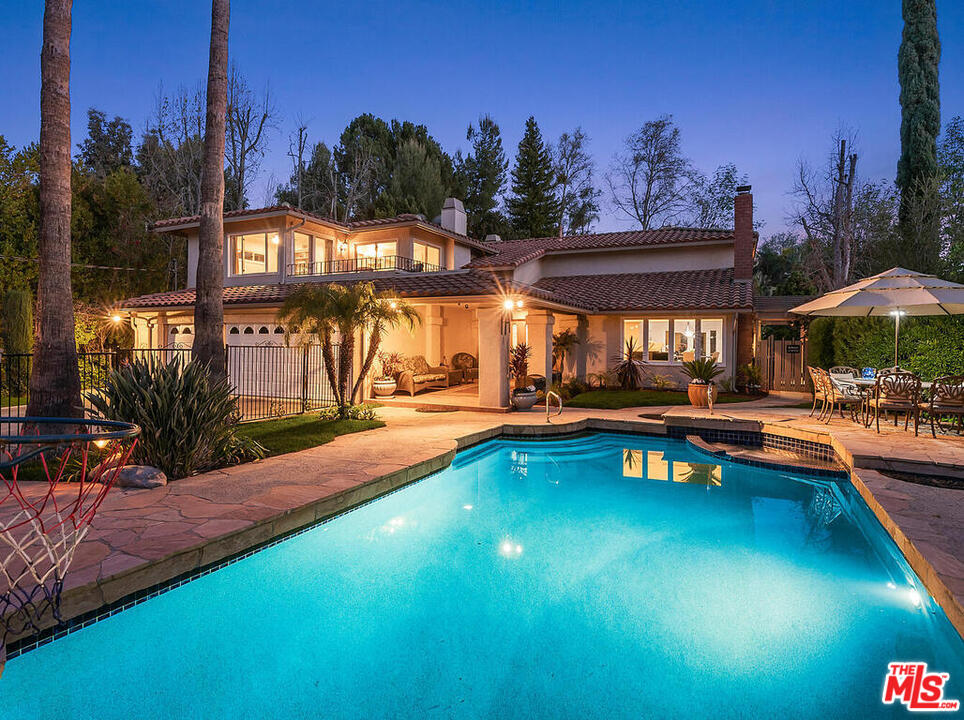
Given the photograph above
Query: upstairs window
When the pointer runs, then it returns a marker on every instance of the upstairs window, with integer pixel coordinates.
(254, 253)
(425, 253)
(376, 256)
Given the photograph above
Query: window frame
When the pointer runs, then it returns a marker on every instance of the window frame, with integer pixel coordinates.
(645, 321)
(233, 256)
(426, 244)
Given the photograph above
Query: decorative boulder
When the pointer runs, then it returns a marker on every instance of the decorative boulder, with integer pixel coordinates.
(142, 477)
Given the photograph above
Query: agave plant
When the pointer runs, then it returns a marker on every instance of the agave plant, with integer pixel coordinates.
(188, 418)
(702, 371)
(628, 370)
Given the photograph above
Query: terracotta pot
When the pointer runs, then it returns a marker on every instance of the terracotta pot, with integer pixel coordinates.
(384, 387)
(524, 400)
(699, 394)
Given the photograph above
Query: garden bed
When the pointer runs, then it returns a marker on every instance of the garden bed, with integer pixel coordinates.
(617, 399)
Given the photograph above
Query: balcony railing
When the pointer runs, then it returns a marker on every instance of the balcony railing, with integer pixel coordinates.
(357, 265)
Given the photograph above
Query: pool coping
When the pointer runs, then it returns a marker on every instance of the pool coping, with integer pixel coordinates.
(83, 605)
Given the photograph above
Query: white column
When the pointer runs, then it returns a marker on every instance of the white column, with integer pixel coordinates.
(540, 324)
(493, 357)
(582, 349)
(433, 334)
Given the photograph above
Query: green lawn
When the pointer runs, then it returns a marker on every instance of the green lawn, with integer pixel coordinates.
(616, 399)
(290, 434)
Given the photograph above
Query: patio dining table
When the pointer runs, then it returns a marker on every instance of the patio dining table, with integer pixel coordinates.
(870, 382)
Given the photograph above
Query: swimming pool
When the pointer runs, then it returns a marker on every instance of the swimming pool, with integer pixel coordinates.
(600, 576)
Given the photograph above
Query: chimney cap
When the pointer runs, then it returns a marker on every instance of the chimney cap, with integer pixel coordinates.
(743, 189)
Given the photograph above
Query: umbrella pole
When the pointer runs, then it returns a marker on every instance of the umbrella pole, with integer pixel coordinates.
(896, 338)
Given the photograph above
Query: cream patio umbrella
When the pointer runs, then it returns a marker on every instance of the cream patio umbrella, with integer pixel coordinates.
(896, 292)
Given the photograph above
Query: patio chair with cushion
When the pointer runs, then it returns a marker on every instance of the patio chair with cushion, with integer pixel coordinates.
(467, 364)
(947, 398)
(897, 392)
(419, 375)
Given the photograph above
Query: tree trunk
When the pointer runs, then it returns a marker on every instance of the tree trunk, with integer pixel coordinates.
(346, 356)
(374, 341)
(209, 305)
(55, 378)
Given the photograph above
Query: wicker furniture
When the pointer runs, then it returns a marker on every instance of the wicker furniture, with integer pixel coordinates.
(897, 392)
(468, 366)
(419, 375)
(947, 398)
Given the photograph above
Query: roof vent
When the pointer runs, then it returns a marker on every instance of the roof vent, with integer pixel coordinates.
(492, 237)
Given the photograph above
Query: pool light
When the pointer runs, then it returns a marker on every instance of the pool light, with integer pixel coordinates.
(467, 507)
(509, 549)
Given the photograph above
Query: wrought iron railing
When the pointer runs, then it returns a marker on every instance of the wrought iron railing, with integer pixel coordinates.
(362, 264)
(268, 380)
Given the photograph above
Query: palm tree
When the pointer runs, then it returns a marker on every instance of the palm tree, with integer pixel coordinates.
(55, 378)
(324, 310)
(209, 304)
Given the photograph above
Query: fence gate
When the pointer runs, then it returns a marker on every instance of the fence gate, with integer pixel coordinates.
(784, 364)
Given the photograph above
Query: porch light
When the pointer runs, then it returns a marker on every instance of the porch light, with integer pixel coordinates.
(274, 240)
(115, 319)
(508, 304)
(342, 246)
(518, 303)
(392, 304)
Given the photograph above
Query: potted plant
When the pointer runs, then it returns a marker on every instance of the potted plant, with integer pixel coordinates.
(524, 396)
(386, 384)
(701, 389)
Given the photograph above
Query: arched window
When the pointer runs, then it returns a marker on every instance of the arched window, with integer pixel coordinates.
(279, 330)
(263, 330)
(249, 330)
(233, 331)
(186, 331)
(173, 331)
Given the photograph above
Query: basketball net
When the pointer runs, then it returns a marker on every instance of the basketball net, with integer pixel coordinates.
(46, 507)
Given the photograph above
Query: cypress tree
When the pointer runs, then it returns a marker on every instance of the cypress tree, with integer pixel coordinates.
(17, 337)
(533, 207)
(917, 68)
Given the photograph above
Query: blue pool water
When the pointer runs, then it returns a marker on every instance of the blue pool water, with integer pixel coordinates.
(604, 576)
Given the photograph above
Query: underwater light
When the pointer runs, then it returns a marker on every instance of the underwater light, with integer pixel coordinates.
(467, 507)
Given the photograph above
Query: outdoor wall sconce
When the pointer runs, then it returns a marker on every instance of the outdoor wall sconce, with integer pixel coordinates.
(508, 305)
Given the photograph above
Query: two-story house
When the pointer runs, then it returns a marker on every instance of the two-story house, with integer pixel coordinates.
(678, 293)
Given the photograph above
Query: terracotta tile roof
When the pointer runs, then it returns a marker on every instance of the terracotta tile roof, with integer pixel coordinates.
(779, 303)
(515, 252)
(678, 290)
(159, 225)
(464, 283)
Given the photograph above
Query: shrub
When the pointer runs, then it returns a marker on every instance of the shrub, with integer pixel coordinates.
(188, 420)
(574, 387)
(820, 348)
(659, 381)
(18, 336)
(627, 369)
(364, 411)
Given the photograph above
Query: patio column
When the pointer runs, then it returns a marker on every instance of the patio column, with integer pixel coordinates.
(582, 349)
(433, 334)
(540, 324)
(493, 357)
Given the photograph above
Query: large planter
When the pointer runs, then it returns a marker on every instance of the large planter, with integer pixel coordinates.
(700, 394)
(524, 400)
(384, 387)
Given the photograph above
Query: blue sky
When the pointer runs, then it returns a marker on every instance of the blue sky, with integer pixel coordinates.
(759, 83)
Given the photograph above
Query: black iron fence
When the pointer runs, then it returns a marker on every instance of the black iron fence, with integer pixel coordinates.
(268, 380)
(362, 264)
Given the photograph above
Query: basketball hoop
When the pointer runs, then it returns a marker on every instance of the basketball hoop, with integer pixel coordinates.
(50, 488)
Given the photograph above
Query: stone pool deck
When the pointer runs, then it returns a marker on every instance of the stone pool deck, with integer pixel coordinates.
(142, 539)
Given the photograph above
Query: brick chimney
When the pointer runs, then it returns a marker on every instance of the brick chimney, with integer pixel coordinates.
(744, 240)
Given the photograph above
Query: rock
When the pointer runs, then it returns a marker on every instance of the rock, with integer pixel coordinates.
(142, 477)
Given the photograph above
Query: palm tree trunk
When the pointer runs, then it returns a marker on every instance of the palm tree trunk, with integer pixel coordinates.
(346, 354)
(55, 378)
(209, 305)
(374, 340)
(328, 355)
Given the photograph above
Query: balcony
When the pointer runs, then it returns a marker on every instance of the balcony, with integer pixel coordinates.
(360, 265)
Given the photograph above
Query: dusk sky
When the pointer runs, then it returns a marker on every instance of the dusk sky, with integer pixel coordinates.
(760, 84)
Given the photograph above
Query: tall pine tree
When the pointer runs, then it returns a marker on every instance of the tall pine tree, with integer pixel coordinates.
(480, 179)
(533, 207)
(917, 69)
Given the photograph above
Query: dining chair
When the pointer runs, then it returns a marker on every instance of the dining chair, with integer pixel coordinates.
(947, 398)
(897, 392)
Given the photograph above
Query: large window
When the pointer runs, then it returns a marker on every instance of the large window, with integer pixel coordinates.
(425, 253)
(711, 332)
(677, 339)
(373, 255)
(254, 253)
(308, 254)
(659, 345)
(684, 340)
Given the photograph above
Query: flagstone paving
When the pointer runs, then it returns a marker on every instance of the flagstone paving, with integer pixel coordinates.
(141, 538)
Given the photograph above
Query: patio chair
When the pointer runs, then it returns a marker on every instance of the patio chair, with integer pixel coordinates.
(897, 392)
(947, 398)
(819, 392)
(467, 364)
(841, 394)
(844, 372)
